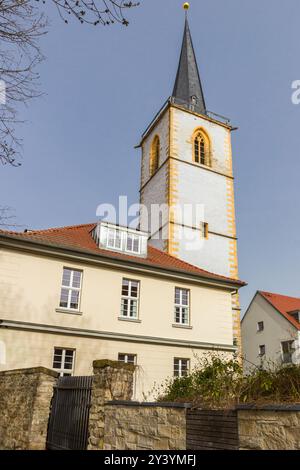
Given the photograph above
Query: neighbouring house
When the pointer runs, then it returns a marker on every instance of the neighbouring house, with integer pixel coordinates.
(157, 297)
(271, 330)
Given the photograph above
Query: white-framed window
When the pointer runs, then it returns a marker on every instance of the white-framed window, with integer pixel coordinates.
(181, 367)
(133, 243)
(63, 361)
(118, 239)
(182, 306)
(114, 238)
(70, 290)
(260, 326)
(127, 358)
(130, 298)
(287, 348)
(262, 350)
(130, 359)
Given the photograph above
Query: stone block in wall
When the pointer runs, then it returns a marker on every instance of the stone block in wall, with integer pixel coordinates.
(113, 380)
(144, 426)
(25, 398)
(269, 427)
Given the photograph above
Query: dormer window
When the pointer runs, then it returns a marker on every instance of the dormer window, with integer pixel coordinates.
(121, 239)
(295, 314)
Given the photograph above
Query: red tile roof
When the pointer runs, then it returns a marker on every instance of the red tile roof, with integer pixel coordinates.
(284, 305)
(79, 238)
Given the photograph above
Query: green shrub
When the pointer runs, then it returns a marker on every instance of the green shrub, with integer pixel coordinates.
(219, 382)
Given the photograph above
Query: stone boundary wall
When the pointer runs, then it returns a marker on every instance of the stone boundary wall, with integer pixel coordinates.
(112, 380)
(272, 427)
(145, 426)
(116, 423)
(25, 397)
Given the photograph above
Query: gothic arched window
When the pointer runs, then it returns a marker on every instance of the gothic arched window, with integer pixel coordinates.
(155, 154)
(201, 148)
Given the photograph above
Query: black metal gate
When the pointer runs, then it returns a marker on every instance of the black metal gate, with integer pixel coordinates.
(69, 416)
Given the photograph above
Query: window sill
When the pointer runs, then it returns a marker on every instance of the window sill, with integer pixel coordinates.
(67, 310)
(132, 320)
(186, 327)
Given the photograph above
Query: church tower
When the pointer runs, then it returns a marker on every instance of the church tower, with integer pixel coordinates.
(187, 171)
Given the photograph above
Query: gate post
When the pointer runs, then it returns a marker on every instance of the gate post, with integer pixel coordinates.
(112, 380)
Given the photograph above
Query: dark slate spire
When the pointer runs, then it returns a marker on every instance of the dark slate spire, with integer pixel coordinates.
(188, 89)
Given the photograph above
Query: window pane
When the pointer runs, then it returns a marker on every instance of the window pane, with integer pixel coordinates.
(184, 364)
(136, 245)
(69, 352)
(176, 367)
(286, 346)
(196, 150)
(184, 314)
(118, 243)
(134, 289)
(262, 350)
(133, 308)
(125, 287)
(57, 357)
(202, 151)
(114, 238)
(76, 279)
(64, 296)
(129, 244)
(111, 237)
(74, 299)
(131, 359)
(177, 314)
(124, 307)
(68, 365)
(185, 297)
(57, 360)
(121, 357)
(66, 277)
(68, 359)
(260, 326)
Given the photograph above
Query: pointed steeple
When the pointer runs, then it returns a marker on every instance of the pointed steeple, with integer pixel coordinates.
(188, 89)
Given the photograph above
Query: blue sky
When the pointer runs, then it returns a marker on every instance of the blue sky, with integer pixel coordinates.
(102, 87)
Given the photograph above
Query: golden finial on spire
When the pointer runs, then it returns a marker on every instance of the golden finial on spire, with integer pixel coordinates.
(186, 6)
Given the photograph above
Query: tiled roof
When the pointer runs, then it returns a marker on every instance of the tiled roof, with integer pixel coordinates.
(284, 305)
(79, 238)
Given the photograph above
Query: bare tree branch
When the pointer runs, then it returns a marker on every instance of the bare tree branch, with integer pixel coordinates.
(104, 12)
(21, 25)
(7, 218)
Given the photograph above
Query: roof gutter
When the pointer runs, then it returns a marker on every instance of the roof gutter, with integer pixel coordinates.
(11, 241)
